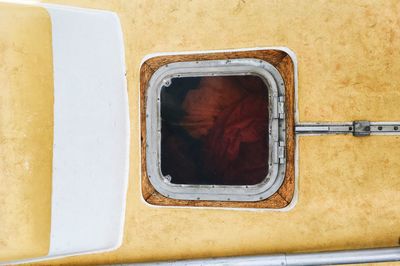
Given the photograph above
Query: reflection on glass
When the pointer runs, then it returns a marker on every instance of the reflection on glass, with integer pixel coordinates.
(215, 130)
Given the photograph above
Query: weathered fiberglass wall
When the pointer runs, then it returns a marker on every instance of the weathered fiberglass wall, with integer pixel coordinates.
(348, 61)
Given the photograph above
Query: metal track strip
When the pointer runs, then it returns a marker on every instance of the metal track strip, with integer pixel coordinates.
(356, 128)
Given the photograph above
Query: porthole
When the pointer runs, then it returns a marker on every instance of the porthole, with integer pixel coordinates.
(214, 131)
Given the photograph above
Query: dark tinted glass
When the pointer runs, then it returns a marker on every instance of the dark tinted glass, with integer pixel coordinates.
(215, 130)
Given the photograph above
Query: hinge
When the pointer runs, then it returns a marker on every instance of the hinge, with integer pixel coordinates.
(281, 107)
(281, 152)
(279, 156)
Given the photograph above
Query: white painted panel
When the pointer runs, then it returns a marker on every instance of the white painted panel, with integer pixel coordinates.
(91, 131)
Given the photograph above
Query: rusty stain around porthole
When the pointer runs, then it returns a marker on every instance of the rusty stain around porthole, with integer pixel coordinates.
(215, 130)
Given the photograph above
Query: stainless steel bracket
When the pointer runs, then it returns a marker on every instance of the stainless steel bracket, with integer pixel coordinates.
(361, 128)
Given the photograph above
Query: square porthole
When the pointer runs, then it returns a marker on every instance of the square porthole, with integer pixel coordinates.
(218, 129)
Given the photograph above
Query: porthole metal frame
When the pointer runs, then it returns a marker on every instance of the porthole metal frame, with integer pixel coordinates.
(277, 135)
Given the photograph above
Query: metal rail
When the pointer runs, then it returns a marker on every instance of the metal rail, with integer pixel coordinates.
(317, 258)
(356, 128)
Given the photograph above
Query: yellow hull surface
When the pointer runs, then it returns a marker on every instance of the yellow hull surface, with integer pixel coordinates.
(348, 188)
